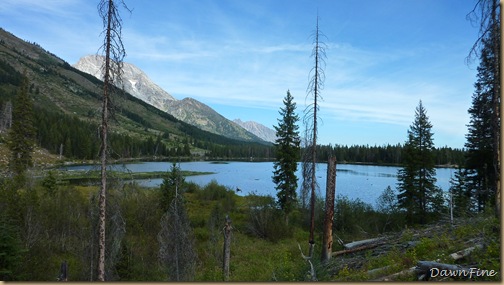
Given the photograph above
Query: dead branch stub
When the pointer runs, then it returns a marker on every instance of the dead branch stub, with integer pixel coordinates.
(227, 248)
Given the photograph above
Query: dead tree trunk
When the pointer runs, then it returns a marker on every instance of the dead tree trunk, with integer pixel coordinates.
(329, 209)
(465, 252)
(63, 276)
(227, 248)
(112, 69)
(103, 150)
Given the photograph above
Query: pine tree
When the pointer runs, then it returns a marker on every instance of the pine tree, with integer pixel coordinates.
(485, 177)
(22, 133)
(177, 252)
(169, 187)
(461, 197)
(418, 194)
(287, 147)
(481, 144)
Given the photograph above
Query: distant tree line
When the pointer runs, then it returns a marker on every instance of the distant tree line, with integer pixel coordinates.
(386, 154)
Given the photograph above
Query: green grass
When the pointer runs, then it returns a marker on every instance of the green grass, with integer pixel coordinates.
(63, 216)
(94, 175)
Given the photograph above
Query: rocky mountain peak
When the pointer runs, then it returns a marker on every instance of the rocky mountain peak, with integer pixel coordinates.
(189, 110)
(258, 129)
(135, 81)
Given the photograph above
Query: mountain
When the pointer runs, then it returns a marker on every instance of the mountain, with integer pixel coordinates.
(257, 129)
(135, 81)
(188, 110)
(198, 114)
(69, 101)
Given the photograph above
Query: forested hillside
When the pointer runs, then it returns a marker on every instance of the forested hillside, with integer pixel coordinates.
(67, 103)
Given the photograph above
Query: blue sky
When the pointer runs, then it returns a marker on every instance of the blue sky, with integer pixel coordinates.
(240, 57)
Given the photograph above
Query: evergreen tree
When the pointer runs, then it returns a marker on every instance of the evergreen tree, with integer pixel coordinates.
(460, 196)
(170, 186)
(482, 137)
(22, 133)
(418, 194)
(11, 252)
(287, 156)
(486, 15)
(177, 251)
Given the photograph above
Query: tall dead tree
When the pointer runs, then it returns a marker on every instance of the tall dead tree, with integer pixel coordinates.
(315, 85)
(329, 209)
(112, 69)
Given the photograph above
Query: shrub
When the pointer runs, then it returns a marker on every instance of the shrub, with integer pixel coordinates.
(352, 216)
(264, 219)
(213, 191)
(191, 187)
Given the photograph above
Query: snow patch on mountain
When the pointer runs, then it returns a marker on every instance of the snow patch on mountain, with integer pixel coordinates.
(135, 81)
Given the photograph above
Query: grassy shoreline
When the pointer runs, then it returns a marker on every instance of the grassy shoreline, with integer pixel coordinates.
(94, 175)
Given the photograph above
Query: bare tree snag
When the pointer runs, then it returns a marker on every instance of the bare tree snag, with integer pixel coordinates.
(313, 276)
(227, 248)
(112, 69)
(329, 209)
(315, 85)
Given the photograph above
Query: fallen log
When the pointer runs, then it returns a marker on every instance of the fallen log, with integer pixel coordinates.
(364, 247)
(430, 269)
(361, 243)
(377, 271)
(465, 252)
(392, 277)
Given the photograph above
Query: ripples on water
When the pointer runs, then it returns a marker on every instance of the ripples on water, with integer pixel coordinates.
(364, 182)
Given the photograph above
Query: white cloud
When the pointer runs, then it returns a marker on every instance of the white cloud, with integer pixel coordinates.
(48, 7)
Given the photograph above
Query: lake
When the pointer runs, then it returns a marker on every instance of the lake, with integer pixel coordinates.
(365, 182)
